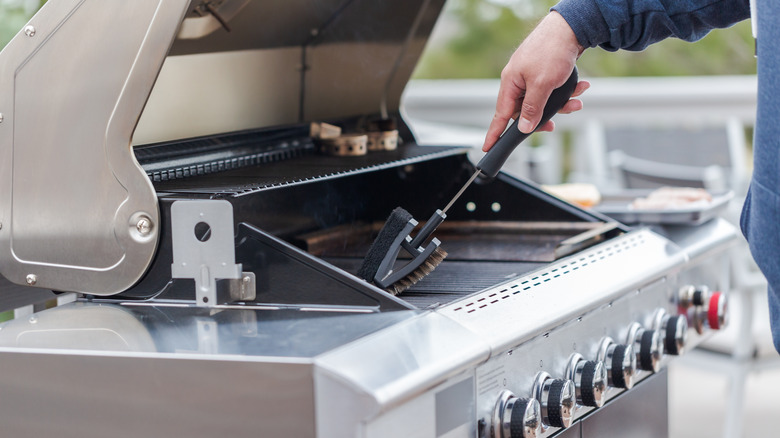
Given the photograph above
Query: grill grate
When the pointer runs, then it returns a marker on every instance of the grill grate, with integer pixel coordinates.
(305, 167)
(205, 155)
(452, 280)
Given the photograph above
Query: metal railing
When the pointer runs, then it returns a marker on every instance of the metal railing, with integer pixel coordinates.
(459, 111)
(471, 103)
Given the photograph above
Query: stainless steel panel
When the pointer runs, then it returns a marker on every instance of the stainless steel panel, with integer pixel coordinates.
(361, 94)
(432, 414)
(264, 25)
(134, 395)
(291, 62)
(220, 331)
(703, 240)
(78, 213)
(205, 18)
(383, 370)
(214, 93)
(642, 412)
(519, 309)
(573, 431)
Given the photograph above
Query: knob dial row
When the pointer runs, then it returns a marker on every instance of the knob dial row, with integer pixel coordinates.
(555, 400)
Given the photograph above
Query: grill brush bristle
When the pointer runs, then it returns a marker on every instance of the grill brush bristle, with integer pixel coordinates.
(381, 258)
(418, 274)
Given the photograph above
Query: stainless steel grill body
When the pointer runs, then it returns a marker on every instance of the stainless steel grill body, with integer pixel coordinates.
(266, 370)
(233, 326)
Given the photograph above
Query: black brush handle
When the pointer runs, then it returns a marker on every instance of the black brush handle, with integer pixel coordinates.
(494, 160)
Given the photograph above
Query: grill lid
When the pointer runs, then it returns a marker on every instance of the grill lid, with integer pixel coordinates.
(285, 62)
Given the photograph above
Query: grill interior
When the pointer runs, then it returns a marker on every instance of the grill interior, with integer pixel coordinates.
(332, 207)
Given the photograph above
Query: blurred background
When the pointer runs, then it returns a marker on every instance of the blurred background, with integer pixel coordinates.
(474, 39)
(677, 113)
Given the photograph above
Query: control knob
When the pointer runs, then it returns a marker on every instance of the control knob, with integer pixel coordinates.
(648, 347)
(673, 329)
(712, 314)
(717, 311)
(590, 380)
(620, 363)
(690, 296)
(557, 400)
(517, 417)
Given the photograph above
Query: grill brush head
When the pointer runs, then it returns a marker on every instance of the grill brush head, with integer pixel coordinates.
(395, 235)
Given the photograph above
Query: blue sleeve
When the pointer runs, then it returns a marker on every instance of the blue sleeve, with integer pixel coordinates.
(635, 24)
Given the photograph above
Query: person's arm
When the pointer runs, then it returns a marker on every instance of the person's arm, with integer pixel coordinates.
(635, 24)
(546, 57)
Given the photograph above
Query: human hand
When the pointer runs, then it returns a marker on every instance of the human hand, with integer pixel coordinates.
(542, 63)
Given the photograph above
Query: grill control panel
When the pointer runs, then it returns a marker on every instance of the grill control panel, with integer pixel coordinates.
(549, 382)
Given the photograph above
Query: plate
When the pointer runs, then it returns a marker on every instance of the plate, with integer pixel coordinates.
(618, 206)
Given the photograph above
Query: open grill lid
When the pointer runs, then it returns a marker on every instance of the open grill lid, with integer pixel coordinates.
(77, 211)
(285, 62)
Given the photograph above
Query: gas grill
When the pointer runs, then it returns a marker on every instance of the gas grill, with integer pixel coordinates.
(165, 162)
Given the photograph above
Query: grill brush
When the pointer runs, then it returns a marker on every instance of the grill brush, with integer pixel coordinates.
(395, 235)
(383, 253)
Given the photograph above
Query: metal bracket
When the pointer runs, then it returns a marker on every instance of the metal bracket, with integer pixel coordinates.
(243, 289)
(203, 246)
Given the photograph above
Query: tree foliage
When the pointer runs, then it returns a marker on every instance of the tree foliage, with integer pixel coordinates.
(475, 38)
(14, 14)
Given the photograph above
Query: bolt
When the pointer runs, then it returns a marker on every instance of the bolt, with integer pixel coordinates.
(32, 279)
(29, 30)
(1, 225)
(144, 226)
(1, 117)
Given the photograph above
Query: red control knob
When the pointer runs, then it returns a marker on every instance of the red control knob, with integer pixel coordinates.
(716, 312)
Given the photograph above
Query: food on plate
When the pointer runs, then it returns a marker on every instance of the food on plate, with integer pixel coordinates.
(582, 194)
(672, 198)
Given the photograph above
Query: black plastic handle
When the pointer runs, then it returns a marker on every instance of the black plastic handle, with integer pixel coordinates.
(494, 160)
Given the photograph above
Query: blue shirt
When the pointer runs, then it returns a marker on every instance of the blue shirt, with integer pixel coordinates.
(635, 24)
